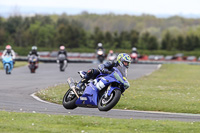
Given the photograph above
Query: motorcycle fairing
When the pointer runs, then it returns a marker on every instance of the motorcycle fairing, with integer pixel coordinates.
(7, 61)
(89, 97)
(114, 77)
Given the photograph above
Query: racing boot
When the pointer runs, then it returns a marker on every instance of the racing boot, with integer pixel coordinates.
(81, 85)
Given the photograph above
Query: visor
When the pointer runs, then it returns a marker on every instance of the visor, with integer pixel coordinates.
(126, 64)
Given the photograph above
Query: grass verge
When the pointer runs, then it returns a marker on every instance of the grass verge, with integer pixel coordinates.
(34, 122)
(173, 88)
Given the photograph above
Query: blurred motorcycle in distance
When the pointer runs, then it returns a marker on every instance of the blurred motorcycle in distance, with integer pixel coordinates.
(100, 55)
(134, 57)
(33, 63)
(62, 61)
(7, 64)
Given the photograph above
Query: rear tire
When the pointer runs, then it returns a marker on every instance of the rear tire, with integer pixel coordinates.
(105, 104)
(69, 100)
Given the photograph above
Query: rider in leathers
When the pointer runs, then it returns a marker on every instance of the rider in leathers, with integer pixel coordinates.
(9, 52)
(62, 51)
(123, 59)
(33, 52)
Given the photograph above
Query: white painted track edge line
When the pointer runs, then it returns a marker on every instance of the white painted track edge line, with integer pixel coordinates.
(38, 99)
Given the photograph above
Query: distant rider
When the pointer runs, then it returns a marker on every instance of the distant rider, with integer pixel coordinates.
(134, 50)
(123, 60)
(100, 47)
(111, 56)
(110, 53)
(9, 52)
(33, 51)
(62, 51)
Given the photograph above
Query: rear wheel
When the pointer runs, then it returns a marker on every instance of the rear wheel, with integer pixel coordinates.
(69, 100)
(107, 103)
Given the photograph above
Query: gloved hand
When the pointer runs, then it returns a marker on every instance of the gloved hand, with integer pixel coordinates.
(104, 70)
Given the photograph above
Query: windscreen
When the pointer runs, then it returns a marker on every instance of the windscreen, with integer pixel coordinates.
(123, 71)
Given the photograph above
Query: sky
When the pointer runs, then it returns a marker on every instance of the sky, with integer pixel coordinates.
(131, 7)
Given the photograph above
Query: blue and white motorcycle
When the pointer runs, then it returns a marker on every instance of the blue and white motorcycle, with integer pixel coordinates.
(114, 84)
(7, 64)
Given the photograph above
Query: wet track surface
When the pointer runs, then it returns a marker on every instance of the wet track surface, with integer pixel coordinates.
(15, 91)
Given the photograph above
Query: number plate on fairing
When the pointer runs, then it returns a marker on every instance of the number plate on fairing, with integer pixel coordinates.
(83, 98)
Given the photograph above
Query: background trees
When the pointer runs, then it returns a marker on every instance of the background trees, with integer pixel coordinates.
(114, 31)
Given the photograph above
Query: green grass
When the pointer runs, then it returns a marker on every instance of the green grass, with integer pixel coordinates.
(173, 88)
(17, 64)
(46, 123)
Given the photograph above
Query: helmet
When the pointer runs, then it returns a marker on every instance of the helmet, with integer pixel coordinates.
(62, 47)
(134, 49)
(34, 48)
(124, 60)
(100, 44)
(8, 47)
(111, 51)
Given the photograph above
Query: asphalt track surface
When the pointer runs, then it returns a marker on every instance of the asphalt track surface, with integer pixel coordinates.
(16, 90)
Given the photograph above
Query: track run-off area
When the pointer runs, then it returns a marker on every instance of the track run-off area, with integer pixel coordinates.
(17, 92)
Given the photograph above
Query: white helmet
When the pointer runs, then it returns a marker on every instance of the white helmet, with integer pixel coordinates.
(100, 44)
(134, 49)
(34, 48)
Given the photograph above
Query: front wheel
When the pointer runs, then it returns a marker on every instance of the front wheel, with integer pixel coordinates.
(69, 100)
(107, 103)
(32, 70)
(7, 70)
(61, 67)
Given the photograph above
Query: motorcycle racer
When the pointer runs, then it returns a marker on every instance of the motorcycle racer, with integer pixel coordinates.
(33, 58)
(62, 51)
(33, 51)
(134, 50)
(9, 52)
(123, 61)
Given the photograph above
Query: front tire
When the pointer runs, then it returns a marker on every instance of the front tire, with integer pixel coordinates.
(7, 70)
(32, 70)
(105, 104)
(69, 100)
(61, 67)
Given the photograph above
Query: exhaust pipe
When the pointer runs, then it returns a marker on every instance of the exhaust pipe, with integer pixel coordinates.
(72, 85)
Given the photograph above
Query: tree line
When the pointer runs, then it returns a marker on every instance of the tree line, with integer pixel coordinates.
(46, 31)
